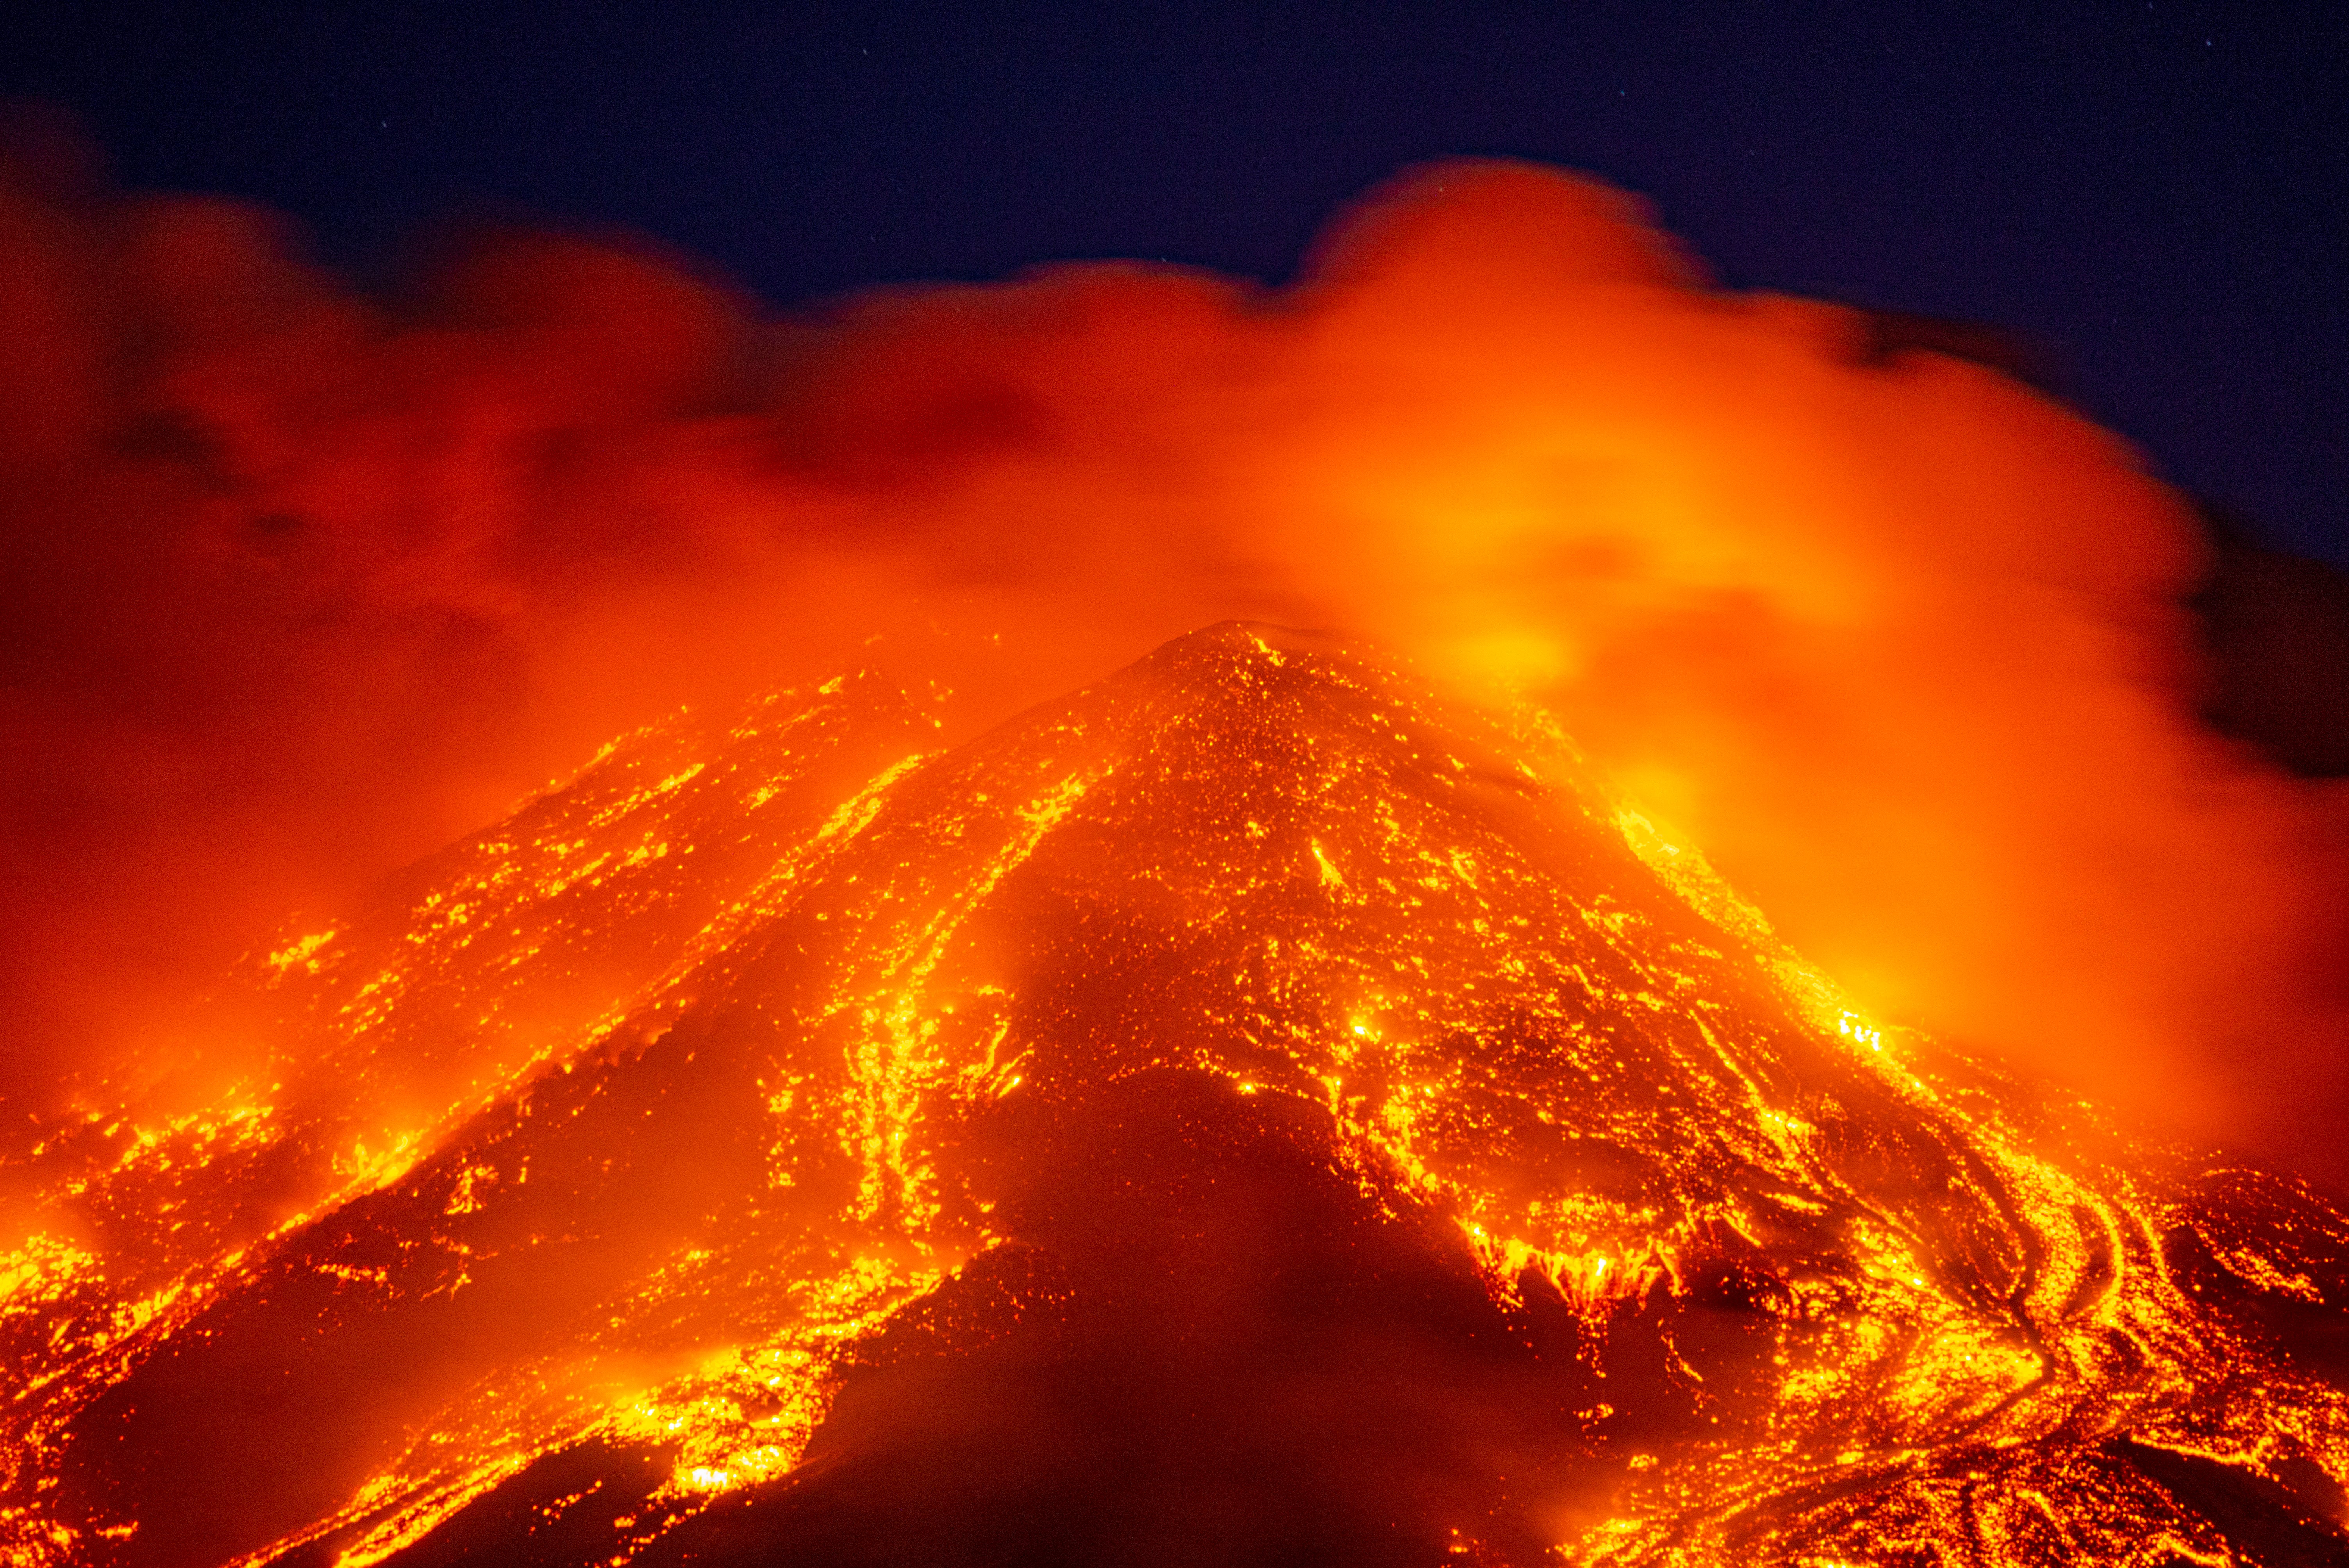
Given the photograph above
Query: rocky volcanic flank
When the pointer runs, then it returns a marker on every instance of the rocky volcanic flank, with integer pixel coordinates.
(1252, 1109)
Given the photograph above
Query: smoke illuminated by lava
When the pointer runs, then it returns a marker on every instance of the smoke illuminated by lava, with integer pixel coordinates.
(303, 583)
(1501, 1079)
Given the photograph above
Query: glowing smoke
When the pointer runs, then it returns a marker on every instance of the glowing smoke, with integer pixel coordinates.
(302, 584)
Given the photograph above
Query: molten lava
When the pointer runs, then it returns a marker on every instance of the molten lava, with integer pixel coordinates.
(1258, 1107)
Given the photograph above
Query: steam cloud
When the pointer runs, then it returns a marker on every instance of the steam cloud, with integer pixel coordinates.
(301, 583)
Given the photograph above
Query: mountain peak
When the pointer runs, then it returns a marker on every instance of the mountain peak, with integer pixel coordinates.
(1252, 1107)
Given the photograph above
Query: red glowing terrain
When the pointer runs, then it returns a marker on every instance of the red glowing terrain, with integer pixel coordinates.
(1255, 1109)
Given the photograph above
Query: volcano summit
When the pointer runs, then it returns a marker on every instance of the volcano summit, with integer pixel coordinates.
(1252, 1109)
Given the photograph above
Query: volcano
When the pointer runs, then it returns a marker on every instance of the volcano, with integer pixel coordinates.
(1254, 1109)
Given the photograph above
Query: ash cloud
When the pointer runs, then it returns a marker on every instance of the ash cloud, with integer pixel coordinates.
(301, 583)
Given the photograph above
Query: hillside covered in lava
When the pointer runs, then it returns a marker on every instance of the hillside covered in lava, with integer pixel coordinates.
(1260, 1107)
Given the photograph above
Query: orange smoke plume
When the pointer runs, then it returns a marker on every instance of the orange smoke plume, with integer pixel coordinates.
(303, 583)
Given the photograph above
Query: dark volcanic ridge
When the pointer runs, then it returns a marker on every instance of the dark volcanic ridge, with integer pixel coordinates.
(1253, 1109)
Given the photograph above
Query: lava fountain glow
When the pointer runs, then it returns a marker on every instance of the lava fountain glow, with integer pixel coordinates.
(1284, 1100)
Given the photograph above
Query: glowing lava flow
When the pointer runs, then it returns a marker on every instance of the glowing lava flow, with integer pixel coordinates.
(1251, 1106)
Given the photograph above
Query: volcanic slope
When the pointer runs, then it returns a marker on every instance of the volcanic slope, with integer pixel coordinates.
(1250, 1110)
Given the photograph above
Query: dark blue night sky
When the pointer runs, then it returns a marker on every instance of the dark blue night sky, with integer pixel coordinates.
(2154, 192)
